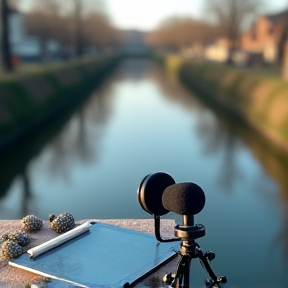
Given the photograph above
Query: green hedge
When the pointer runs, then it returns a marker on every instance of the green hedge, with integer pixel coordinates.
(24, 98)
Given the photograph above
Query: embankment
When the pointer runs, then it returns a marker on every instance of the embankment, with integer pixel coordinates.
(256, 100)
(28, 103)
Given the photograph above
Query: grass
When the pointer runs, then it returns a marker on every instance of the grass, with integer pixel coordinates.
(29, 69)
(271, 71)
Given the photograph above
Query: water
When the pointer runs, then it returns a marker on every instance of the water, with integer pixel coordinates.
(142, 121)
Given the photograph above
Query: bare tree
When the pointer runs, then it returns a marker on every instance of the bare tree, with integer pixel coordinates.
(232, 16)
(98, 31)
(5, 45)
(43, 21)
(177, 33)
(76, 25)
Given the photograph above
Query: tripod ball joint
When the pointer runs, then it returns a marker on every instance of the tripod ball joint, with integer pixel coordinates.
(169, 278)
(210, 255)
(212, 284)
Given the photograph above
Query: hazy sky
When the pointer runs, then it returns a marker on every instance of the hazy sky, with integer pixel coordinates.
(146, 14)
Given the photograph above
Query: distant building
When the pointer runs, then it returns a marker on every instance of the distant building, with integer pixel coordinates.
(218, 52)
(30, 49)
(264, 37)
(194, 51)
(26, 47)
(135, 43)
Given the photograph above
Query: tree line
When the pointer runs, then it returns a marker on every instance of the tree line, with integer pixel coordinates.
(78, 26)
(176, 33)
(227, 19)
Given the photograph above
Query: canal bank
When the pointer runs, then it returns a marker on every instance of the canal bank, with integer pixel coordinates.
(28, 103)
(256, 100)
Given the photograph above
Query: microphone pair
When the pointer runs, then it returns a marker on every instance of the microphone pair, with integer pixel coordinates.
(158, 194)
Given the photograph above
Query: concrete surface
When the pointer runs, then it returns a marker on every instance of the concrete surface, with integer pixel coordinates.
(11, 277)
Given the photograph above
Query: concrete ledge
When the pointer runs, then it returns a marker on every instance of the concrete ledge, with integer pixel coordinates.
(13, 278)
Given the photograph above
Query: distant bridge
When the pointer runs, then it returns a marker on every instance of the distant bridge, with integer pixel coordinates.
(135, 43)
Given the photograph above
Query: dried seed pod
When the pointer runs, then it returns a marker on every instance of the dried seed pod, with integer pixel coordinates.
(4, 237)
(19, 237)
(62, 223)
(10, 249)
(31, 223)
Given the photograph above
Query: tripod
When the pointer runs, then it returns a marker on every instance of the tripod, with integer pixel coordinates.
(158, 194)
(189, 250)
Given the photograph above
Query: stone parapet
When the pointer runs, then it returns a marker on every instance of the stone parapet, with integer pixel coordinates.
(13, 277)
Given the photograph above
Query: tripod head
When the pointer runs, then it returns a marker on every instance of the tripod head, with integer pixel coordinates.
(158, 194)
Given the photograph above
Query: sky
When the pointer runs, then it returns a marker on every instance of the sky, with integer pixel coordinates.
(147, 14)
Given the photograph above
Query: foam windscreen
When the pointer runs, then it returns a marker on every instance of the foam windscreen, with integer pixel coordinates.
(184, 198)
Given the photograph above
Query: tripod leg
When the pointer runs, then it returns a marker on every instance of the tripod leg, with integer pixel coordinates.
(186, 272)
(178, 273)
(183, 272)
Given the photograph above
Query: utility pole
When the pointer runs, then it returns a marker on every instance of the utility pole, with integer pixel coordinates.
(5, 45)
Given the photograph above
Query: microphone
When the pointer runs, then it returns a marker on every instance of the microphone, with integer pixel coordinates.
(184, 198)
(150, 192)
(150, 198)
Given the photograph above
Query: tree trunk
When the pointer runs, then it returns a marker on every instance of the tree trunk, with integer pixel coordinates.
(283, 50)
(79, 48)
(285, 61)
(78, 30)
(6, 54)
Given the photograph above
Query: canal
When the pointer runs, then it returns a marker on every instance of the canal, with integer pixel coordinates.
(141, 121)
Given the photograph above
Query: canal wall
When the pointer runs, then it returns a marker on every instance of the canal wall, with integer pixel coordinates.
(29, 102)
(256, 100)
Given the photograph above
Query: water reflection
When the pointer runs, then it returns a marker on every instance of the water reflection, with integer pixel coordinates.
(220, 137)
(281, 240)
(27, 194)
(80, 140)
